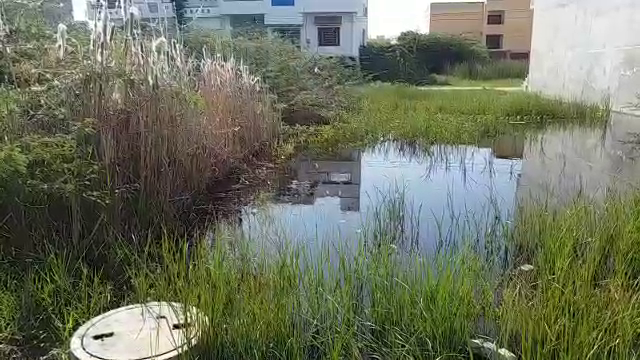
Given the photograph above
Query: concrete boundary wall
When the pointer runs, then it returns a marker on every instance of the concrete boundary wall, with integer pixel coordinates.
(587, 50)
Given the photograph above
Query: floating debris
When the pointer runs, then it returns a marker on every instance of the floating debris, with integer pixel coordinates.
(526, 268)
(489, 350)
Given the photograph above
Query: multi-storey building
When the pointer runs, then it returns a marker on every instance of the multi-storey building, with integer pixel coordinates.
(326, 27)
(504, 26)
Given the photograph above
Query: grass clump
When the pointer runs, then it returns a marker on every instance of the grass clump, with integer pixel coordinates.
(297, 306)
(375, 301)
(493, 70)
(414, 58)
(448, 117)
(309, 88)
(444, 80)
(583, 298)
(120, 132)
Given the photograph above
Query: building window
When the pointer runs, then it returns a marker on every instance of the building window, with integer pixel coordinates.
(153, 8)
(283, 2)
(291, 34)
(495, 18)
(329, 36)
(494, 42)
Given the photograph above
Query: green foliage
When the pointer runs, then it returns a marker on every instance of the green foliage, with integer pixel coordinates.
(415, 56)
(53, 180)
(501, 69)
(374, 301)
(13, 165)
(9, 307)
(583, 298)
(151, 138)
(300, 80)
(41, 305)
(439, 51)
(28, 42)
(441, 116)
(393, 63)
(444, 80)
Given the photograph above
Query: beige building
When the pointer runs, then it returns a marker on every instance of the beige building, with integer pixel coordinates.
(504, 26)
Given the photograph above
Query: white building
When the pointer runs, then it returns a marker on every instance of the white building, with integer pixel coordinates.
(587, 50)
(326, 27)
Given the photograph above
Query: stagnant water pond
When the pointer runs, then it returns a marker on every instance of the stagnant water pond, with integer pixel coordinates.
(445, 192)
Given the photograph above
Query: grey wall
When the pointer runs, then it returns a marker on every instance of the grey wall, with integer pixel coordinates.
(587, 50)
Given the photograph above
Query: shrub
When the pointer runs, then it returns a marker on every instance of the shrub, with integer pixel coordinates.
(415, 56)
(439, 51)
(51, 184)
(302, 82)
(156, 127)
(502, 69)
(392, 63)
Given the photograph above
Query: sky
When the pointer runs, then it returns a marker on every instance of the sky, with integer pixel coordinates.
(391, 17)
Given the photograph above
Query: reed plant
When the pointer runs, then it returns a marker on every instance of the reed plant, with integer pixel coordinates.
(444, 117)
(369, 301)
(155, 126)
(582, 298)
(492, 70)
(577, 300)
(167, 123)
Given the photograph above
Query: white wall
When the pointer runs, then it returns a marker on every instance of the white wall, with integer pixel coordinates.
(335, 6)
(587, 50)
(165, 10)
(349, 42)
(219, 24)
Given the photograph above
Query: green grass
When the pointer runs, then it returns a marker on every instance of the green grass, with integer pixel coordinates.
(374, 301)
(462, 82)
(581, 301)
(444, 117)
(493, 70)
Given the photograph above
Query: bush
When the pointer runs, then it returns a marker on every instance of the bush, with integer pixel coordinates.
(49, 184)
(437, 52)
(302, 82)
(393, 63)
(146, 131)
(415, 56)
(502, 69)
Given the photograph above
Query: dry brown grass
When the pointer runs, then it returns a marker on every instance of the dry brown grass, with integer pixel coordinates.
(168, 125)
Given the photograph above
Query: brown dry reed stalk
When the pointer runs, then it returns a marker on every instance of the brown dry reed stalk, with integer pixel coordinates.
(167, 124)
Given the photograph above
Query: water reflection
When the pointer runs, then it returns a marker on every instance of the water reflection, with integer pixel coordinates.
(314, 179)
(449, 190)
(562, 163)
(452, 191)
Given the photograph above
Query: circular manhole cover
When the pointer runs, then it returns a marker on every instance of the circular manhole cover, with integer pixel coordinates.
(158, 331)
